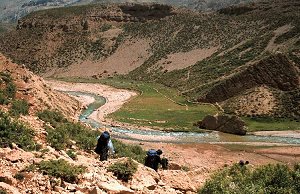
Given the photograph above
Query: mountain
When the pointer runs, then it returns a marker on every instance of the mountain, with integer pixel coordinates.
(248, 52)
(11, 11)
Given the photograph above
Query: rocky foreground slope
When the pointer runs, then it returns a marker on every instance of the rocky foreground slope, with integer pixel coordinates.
(17, 174)
(200, 54)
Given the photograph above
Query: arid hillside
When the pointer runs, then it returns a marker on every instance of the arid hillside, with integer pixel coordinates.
(11, 11)
(240, 49)
(18, 83)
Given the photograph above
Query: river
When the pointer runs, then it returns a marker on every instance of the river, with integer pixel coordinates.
(173, 137)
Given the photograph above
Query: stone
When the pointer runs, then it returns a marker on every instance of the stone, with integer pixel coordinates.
(7, 178)
(144, 178)
(178, 180)
(114, 187)
(96, 190)
(9, 188)
(174, 166)
(58, 189)
(224, 123)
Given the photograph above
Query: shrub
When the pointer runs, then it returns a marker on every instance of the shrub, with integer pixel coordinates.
(72, 154)
(105, 27)
(124, 170)
(131, 151)
(11, 90)
(19, 176)
(3, 99)
(53, 117)
(15, 132)
(271, 178)
(19, 107)
(61, 169)
(2, 191)
(63, 131)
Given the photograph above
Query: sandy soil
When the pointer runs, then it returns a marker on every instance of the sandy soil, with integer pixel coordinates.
(129, 56)
(290, 133)
(185, 59)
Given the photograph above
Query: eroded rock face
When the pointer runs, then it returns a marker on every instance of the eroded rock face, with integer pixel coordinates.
(275, 71)
(224, 123)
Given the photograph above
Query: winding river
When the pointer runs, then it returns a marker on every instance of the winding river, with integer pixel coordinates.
(174, 137)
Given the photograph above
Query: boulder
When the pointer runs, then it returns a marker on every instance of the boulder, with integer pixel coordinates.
(96, 190)
(224, 123)
(178, 180)
(114, 187)
(144, 178)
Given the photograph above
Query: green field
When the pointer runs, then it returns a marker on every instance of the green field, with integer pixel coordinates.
(164, 107)
(271, 124)
(159, 106)
(156, 106)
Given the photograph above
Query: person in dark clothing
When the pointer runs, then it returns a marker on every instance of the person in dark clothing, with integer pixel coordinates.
(104, 145)
(152, 159)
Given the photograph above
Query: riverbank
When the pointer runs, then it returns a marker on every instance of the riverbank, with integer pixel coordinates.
(115, 98)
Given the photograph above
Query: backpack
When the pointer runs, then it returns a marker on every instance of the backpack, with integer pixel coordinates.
(151, 155)
(102, 142)
(104, 137)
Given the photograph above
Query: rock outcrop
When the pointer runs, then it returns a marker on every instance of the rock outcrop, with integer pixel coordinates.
(275, 71)
(223, 123)
(95, 181)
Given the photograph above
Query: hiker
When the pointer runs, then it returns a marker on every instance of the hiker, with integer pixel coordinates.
(153, 159)
(104, 145)
(242, 163)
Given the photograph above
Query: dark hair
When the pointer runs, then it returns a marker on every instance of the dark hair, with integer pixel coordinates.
(159, 152)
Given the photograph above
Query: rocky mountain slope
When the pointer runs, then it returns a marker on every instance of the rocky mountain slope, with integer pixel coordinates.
(11, 11)
(198, 53)
(32, 89)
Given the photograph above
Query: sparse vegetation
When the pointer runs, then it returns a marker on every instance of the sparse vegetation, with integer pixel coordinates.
(62, 132)
(12, 131)
(2, 191)
(124, 170)
(19, 107)
(131, 151)
(72, 154)
(19, 176)
(271, 178)
(8, 93)
(61, 169)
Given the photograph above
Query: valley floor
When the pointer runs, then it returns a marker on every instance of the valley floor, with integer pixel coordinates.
(191, 156)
